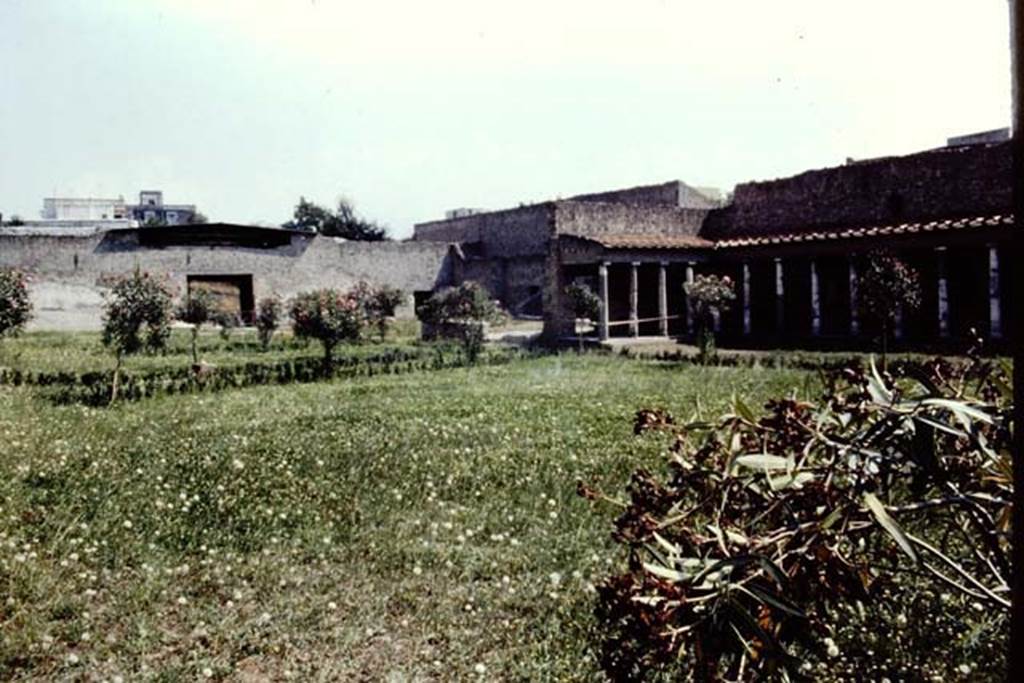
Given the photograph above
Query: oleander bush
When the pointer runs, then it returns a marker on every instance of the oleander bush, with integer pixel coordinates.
(708, 296)
(865, 535)
(196, 310)
(268, 317)
(461, 313)
(378, 305)
(328, 316)
(136, 317)
(15, 305)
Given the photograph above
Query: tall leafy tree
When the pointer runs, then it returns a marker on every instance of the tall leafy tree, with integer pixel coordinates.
(343, 222)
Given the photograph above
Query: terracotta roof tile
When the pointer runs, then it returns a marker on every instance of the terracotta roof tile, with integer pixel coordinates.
(868, 231)
(648, 241)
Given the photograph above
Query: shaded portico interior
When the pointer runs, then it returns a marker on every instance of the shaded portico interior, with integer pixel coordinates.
(802, 291)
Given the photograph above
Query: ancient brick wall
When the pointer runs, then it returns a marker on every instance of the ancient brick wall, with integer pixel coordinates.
(943, 183)
(68, 274)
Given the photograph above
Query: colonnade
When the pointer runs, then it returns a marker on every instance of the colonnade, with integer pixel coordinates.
(941, 296)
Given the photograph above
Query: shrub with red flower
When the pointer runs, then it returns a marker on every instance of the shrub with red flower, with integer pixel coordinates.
(329, 316)
(15, 306)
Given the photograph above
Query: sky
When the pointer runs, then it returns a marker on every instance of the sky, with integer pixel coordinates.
(408, 109)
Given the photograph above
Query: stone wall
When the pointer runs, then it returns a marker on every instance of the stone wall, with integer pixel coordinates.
(673, 193)
(523, 231)
(68, 273)
(944, 183)
(590, 218)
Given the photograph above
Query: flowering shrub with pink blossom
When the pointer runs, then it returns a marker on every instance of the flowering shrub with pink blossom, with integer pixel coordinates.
(329, 316)
(460, 313)
(15, 307)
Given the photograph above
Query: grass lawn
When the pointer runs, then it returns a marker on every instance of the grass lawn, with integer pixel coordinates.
(407, 527)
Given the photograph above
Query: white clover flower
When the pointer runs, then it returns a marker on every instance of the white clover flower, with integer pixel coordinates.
(480, 669)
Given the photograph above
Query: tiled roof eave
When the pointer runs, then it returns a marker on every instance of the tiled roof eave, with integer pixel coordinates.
(996, 220)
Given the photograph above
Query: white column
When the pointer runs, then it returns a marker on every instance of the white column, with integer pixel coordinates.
(689, 308)
(815, 300)
(780, 298)
(663, 299)
(634, 294)
(854, 304)
(746, 299)
(897, 327)
(602, 277)
(995, 313)
(943, 286)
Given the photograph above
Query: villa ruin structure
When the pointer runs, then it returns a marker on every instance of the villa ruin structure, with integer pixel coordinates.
(792, 245)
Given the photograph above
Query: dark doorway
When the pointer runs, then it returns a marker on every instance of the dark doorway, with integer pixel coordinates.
(231, 293)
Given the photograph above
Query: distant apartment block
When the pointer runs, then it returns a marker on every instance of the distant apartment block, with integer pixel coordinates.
(83, 209)
(151, 210)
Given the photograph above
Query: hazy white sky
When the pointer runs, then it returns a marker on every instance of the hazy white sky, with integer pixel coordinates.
(411, 108)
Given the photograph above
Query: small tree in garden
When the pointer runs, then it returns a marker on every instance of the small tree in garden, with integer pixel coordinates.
(860, 537)
(196, 310)
(268, 314)
(227, 321)
(584, 304)
(136, 316)
(378, 304)
(461, 312)
(15, 305)
(708, 295)
(329, 316)
(885, 284)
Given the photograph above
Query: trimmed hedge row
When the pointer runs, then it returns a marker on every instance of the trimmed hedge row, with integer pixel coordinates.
(93, 388)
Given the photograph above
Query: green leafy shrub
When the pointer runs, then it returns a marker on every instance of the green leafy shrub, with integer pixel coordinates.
(378, 305)
(196, 310)
(460, 313)
(227, 322)
(328, 316)
(584, 304)
(15, 305)
(268, 315)
(885, 286)
(708, 295)
(778, 539)
(136, 316)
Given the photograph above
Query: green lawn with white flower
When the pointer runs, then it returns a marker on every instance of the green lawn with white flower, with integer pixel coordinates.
(403, 527)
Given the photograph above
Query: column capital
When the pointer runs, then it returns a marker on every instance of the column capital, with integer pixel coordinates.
(940, 248)
(635, 264)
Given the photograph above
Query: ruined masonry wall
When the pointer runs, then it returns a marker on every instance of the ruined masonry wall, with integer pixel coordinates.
(68, 273)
